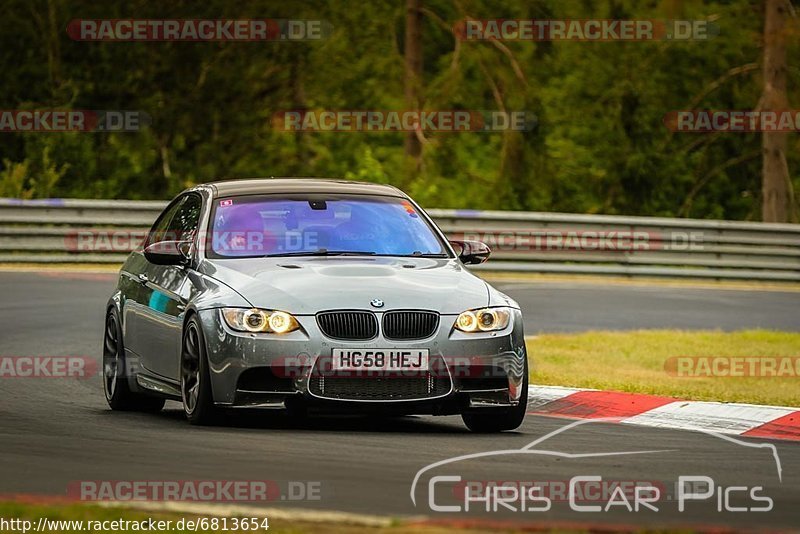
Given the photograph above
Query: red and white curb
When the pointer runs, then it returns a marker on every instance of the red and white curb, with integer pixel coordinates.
(751, 420)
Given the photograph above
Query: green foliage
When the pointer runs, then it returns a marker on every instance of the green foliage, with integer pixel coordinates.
(369, 170)
(34, 177)
(13, 179)
(600, 145)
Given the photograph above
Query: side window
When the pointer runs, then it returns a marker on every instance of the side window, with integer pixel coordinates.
(184, 224)
(159, 230)
(178, 222)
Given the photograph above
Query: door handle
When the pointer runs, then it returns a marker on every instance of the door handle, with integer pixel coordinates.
(143, 279)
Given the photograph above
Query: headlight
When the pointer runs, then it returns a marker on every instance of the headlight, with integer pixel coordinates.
(255, 320)
(483, 320)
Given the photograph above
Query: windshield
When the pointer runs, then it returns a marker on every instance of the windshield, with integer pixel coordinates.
(250, 226)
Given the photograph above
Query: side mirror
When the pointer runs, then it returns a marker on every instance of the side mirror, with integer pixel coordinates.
(168, 252)
(471, 252)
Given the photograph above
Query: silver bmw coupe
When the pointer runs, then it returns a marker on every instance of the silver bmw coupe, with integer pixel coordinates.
(311, 295)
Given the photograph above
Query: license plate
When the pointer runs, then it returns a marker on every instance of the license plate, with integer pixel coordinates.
(380, 360)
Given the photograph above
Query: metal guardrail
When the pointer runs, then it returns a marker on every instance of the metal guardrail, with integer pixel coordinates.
(102, 231)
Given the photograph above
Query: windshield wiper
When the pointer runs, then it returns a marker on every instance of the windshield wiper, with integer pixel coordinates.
(322, 252)
(426, 255)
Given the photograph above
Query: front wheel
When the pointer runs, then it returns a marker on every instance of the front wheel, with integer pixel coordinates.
(498, 420)
(198, 400)
(115, 373)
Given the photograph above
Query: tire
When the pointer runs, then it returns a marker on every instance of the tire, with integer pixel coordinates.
(496, 420)
(115, 381)
(196, 395)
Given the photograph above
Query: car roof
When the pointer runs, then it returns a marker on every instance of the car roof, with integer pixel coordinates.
(254, 186)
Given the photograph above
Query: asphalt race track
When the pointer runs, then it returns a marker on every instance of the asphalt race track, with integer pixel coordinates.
(55, 431)
(562, 307)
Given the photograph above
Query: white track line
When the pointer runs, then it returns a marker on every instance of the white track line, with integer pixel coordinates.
(725, 418)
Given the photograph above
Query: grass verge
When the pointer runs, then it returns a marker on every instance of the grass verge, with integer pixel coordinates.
(636, 361)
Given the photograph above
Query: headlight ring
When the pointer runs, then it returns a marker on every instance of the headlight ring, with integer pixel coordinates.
(483, 320)
(257, 320)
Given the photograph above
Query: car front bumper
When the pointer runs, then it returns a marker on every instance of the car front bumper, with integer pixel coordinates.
(474, 371)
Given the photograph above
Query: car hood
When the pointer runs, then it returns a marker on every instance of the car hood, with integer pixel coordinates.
(305, 286)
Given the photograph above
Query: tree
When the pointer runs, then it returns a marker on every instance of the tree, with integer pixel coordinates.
(777, 195)
(413, 76)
